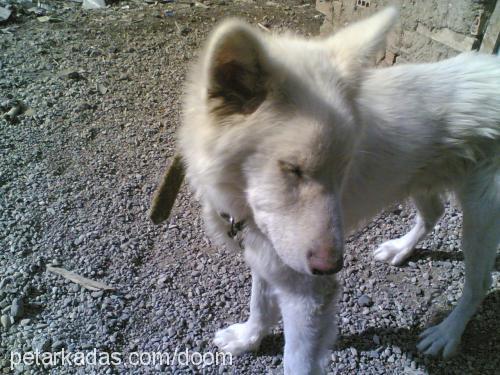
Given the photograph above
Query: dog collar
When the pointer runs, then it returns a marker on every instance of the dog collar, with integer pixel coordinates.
(235, 227)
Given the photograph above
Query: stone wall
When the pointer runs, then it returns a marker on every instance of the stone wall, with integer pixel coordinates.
(429, 30)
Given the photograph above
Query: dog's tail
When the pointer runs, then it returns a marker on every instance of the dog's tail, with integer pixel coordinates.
(165, 195)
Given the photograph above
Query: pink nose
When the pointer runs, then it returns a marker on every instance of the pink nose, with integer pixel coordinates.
(324, 262)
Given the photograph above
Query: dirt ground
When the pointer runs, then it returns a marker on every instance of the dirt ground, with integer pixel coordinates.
(99, 99)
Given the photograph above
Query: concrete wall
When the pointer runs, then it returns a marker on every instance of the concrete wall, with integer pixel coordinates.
(429, 30)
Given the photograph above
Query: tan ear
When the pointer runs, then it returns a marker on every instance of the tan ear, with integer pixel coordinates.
(236, 69)
(356, 45)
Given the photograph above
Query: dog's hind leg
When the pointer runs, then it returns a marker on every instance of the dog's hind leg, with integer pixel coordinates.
(395, 252)
(264, 313)
(481, 235)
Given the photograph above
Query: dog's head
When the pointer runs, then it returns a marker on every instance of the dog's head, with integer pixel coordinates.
(271, 122)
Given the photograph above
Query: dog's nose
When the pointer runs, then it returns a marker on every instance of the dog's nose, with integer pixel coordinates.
(324, 262)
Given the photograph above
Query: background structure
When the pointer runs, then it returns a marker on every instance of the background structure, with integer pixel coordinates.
(429, 30)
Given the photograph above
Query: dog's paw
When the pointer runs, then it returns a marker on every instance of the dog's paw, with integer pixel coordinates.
(437, 339)
(394, 252)
(239, 338)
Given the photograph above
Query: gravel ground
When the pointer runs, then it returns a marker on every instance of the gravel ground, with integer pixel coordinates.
(98, 99)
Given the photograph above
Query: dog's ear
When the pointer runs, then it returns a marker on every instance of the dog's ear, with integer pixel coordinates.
(357, 45)
(236, 69)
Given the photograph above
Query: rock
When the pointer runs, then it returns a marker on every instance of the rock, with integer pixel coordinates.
(97, 294)
(25, 322)
(57, 345)
(365, 301)
(376, 339)
(41, 344)
(4, 303)
(5, 281)
(5, 321)
(79, 240)
(4, 14)
(17, 308)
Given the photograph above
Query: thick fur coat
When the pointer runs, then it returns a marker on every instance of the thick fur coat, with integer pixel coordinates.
(298, 142)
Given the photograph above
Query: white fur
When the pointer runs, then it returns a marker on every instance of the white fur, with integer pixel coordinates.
(363, 139)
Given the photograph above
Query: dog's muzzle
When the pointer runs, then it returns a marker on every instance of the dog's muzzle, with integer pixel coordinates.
(325, 268)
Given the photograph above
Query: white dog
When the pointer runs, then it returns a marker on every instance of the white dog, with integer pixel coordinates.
(290, 143)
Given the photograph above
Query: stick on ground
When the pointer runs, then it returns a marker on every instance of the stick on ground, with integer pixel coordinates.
(80, 280)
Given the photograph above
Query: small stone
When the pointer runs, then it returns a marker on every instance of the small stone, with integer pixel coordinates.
(365, 301)
(97, 294)
(162, 280)
(4, 303)
(5, 281)
(354, 352)
(41, 344)
(75, 288)
(56, 262)
(376, 339)
(79, 240)
(25, 322)
(5, 321)
(17, 308)
(57, 345)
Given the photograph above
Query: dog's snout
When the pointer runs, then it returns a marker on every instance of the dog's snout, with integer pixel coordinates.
(325, 261)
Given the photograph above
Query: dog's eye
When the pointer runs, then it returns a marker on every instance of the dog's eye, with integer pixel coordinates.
(290, 168)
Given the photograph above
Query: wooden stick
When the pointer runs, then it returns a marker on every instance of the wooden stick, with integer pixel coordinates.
(80, 280)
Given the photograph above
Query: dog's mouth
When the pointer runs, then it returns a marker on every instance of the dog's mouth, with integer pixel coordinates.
(332, 271)
(323, 273)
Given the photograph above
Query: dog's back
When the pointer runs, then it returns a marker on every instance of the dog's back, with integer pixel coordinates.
(426, 126)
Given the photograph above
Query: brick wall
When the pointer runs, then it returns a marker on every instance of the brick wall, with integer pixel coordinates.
(429, 30)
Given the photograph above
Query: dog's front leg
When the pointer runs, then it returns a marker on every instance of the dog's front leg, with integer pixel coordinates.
(264, 313)
(310, 327)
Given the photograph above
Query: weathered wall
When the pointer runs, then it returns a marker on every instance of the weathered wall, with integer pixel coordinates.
(429, 30)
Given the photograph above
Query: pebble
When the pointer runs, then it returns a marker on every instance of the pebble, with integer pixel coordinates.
(97, 294)
(365, 300)
(4, 303)
(17, 308)
(5, 321)
(5, 281)
(57, 345)
(79, 240)
(41, 344)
